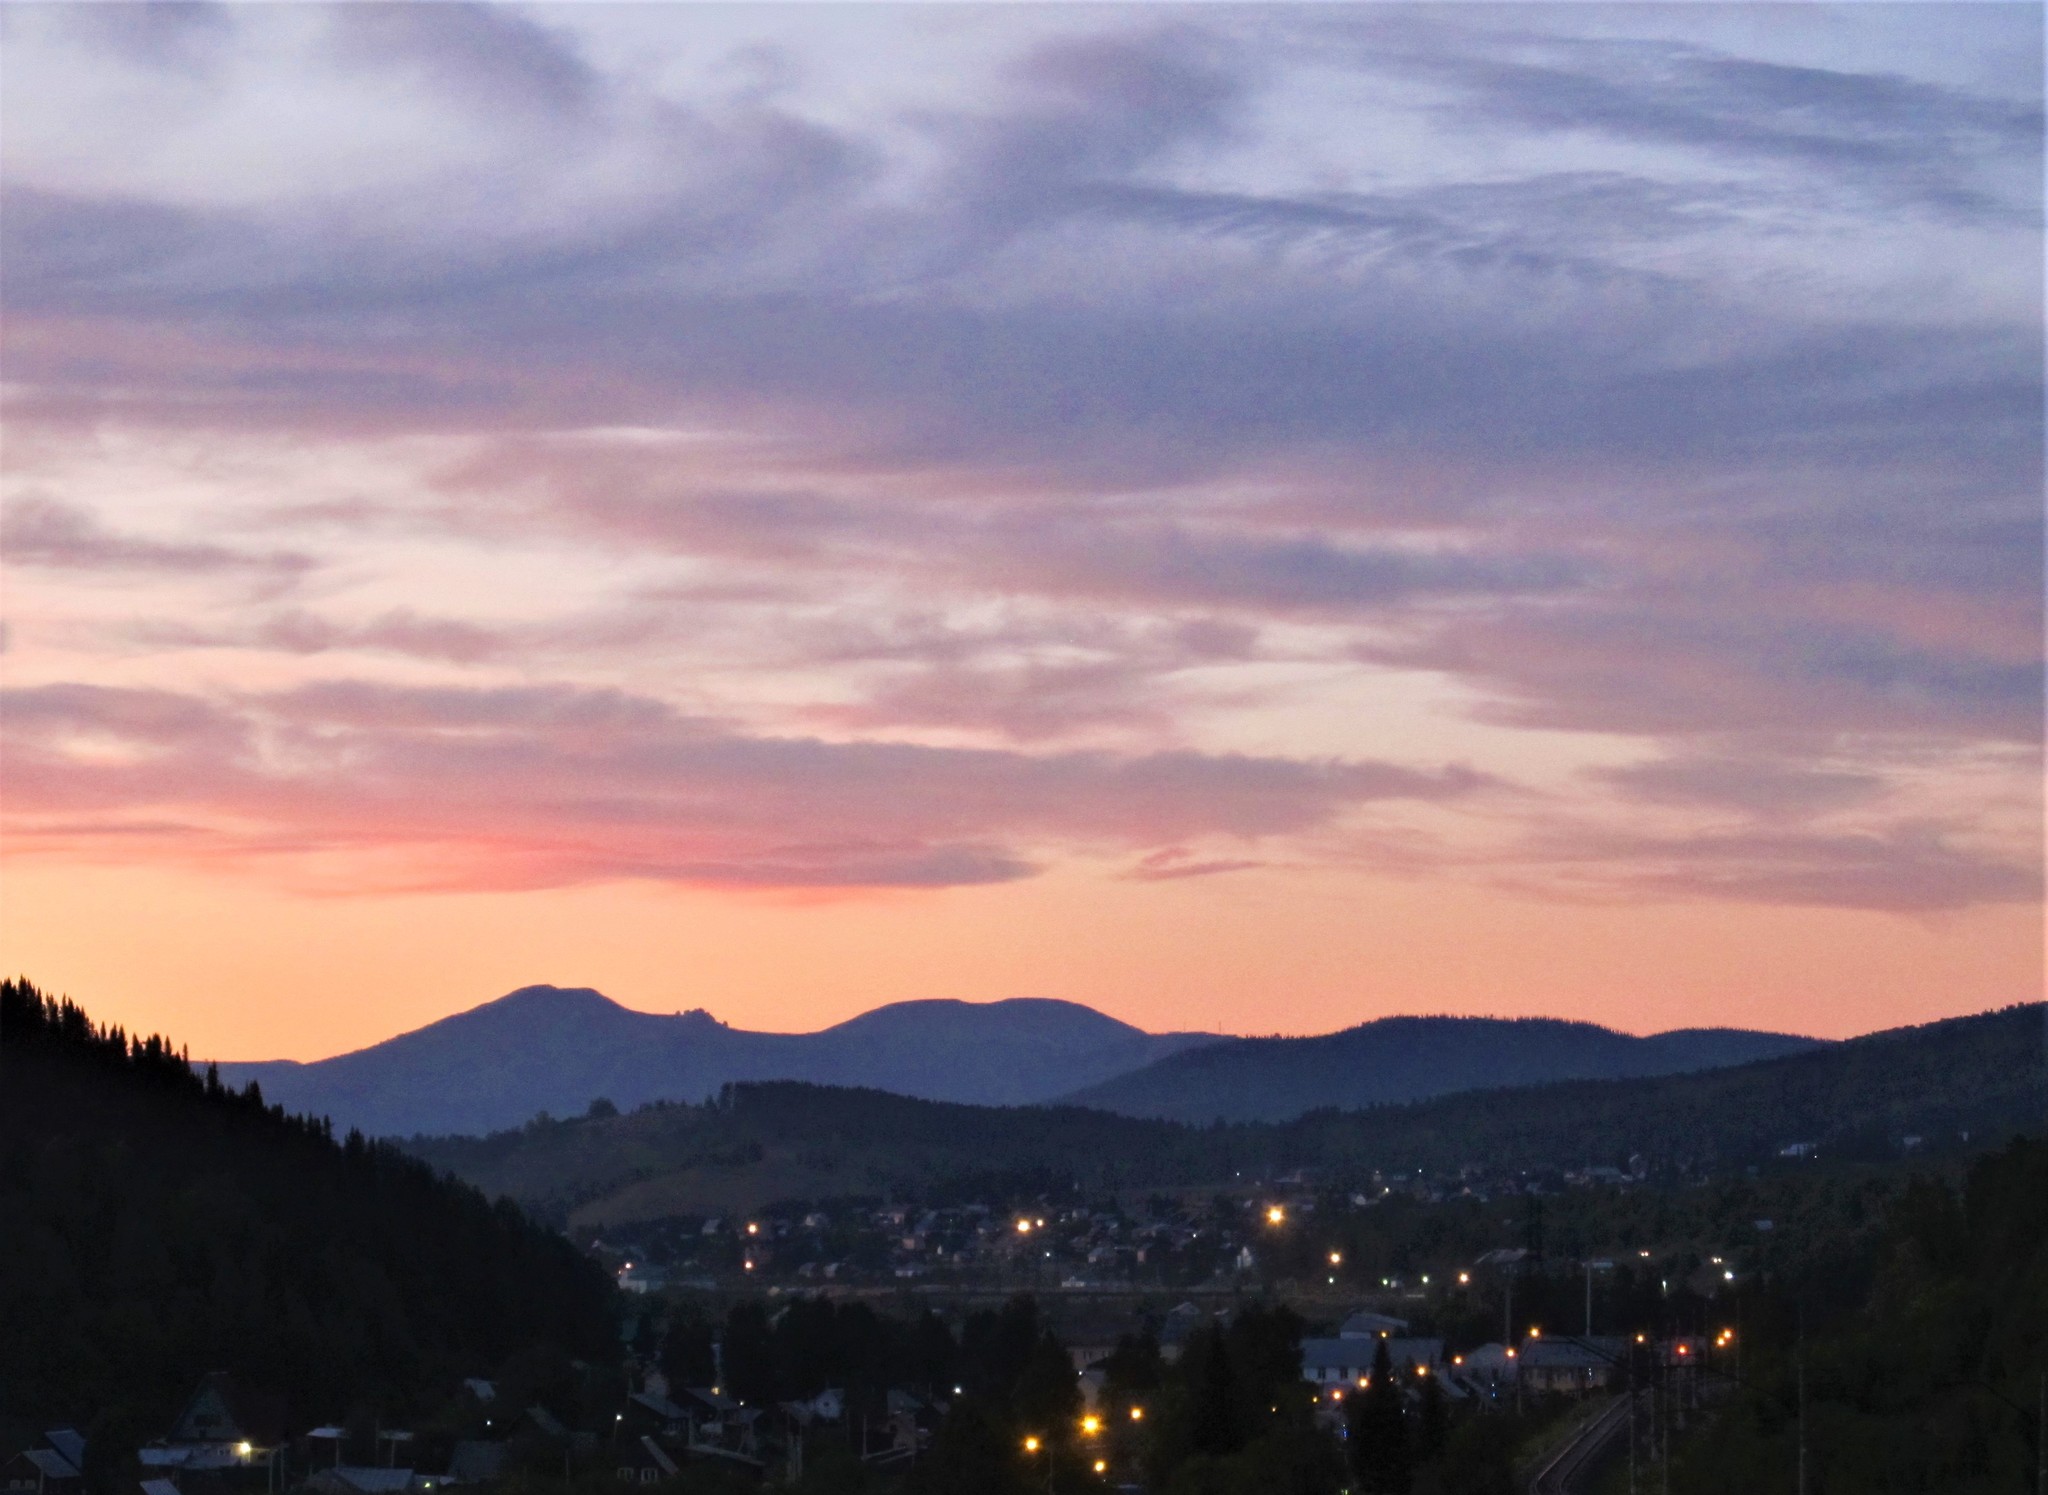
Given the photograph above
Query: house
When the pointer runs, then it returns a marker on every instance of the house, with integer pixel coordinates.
(1370, 1325)
(40, 1471)
(549, 1425)
(828, 1405)
(652, 1412)
(361, 1479)
(1574, 1365)
(223, 1425)
(1347, 1361)
(642, 1461)
(1488, 1363)
(474, 1461)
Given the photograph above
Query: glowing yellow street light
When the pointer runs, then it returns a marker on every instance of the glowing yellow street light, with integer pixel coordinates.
(1275, 1215)
(1102, 1466)
(244, 1449)
(1023, 1227)
(1534, 1332)
(1091, 1425)
(1464, 1279)
(1336, 1258)
(1137, 1414)
(752, 1228)
(1031, 1445)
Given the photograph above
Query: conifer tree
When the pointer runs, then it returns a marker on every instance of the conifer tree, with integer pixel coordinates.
(1379, 1432)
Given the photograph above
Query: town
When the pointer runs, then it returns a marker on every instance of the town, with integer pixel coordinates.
(845, 1333)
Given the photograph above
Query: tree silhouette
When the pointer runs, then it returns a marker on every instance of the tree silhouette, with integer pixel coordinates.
(1379, 1432)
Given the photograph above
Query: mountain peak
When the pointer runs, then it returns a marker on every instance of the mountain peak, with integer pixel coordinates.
(544, 995)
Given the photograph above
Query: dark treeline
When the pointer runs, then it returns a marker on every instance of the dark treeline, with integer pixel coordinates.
(1925, 1354)
(160, 1226)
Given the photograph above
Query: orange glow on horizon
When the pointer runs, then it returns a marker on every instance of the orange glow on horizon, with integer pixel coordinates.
(237, 970)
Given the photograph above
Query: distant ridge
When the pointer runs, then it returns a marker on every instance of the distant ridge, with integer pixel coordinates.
(1398, 1059)
(556, 1049)
(1937, 1092)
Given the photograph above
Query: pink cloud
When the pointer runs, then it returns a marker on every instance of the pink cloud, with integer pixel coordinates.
(537, 786)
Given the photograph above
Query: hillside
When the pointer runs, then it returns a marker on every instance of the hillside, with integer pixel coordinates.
(555, 1049)
(1982, 1075)
(1407, 1059)
(160, 1227)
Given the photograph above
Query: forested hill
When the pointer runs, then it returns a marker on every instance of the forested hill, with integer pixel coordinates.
(160, 1226)
(1395, 1059)
(1981, 1075)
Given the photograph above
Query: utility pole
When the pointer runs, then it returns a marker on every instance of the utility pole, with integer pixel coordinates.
(1664, 1440)
(1802, 1415)
(1633, 1410)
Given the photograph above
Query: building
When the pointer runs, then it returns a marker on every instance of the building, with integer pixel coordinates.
(1348, 1360)
(224, 1425)
(43, 1471)
(359, 1479)
(474, 1461)
(642, 1461)
(1574, 1365)
(1370, 1325)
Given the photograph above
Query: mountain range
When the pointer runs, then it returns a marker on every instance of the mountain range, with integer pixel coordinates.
(556, 1049)
(1931, 1094)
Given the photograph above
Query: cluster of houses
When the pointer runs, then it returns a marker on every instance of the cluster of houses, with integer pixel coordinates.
(1182, 1241)
(228, 1440)
(1047, 1246)
(56, 1466)
(1574, 1365)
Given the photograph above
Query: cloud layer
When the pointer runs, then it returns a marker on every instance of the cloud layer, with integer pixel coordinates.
(509, 446)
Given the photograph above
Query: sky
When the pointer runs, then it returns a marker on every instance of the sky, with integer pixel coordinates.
(1253, 519)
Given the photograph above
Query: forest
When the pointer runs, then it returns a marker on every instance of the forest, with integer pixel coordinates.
(160, 1226)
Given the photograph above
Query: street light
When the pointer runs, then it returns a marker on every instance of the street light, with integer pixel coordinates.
(1137, 1414)
(1275, 1215)
(1091, 1425)
(1031, 1445)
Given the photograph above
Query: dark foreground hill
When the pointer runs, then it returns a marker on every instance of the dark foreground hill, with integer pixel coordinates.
(1982, 1076)
(1407, 1059)
(159, 1227)
(555, 1049)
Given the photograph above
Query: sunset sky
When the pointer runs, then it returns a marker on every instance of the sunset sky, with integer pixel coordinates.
(1247, 518)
